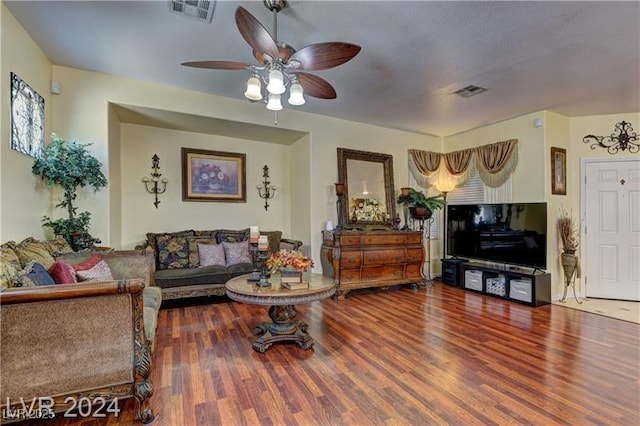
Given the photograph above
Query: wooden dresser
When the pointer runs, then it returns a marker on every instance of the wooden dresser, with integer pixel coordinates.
(363, 259)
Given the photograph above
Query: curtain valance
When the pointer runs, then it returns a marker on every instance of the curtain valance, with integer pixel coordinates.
(494, 162)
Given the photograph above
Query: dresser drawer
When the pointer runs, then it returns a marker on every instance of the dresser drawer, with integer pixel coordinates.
(414, 238)
(383, 240)
(415, 255)
(414, 272)
(350, 259)
(350, 240)
(382, 273)
(383, 257)
(349, 275)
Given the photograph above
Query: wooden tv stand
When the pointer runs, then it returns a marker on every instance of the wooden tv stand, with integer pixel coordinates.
(364, 259)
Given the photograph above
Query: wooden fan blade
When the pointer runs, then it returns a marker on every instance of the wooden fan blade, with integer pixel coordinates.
(322, 56)
(217, 65)
(316, 86)
(255, 34)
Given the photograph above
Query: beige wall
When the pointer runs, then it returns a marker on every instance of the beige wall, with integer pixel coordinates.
(532, 178)
(305, 199)
(579, 127)
(301, 195)
(339, 133)
(304, 171)
(23, 200)
(531, 158)
(557, 134)
(139, 143)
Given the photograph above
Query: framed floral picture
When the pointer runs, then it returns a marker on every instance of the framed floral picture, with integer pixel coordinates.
(558, 171)
(213, 176)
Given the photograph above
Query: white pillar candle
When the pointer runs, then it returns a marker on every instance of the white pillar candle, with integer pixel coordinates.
(263, 243)
(254, 234)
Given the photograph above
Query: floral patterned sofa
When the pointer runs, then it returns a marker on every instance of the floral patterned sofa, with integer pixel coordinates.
(198, 263)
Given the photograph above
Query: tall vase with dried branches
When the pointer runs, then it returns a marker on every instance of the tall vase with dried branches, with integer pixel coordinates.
(568, 231)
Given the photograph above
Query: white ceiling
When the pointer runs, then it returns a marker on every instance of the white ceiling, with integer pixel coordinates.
(574, 58)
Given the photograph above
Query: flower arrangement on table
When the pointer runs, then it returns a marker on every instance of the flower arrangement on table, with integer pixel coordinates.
(289, 259)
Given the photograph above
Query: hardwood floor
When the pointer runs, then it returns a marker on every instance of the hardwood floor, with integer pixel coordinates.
(436, 356)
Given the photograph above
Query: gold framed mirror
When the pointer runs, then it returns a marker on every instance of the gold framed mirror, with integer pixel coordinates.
(369, 194)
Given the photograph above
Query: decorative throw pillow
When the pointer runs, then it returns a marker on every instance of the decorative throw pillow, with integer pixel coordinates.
(231, 236)
(87, 264)
(194, 256)
(99, 272)
(206, 233)
(274, 240)
(34, 274)
(236, 252)
(173, 252)
(152, 238)
(211, 255)
(62, 272)
(9, 266)
(31, 249)
(59, 246)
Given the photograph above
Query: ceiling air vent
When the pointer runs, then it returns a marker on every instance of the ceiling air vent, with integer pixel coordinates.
(202, 10)
(469, 91)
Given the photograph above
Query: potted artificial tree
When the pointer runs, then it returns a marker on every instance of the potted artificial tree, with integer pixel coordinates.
(420, 206)
(70, 166)
(568, 232)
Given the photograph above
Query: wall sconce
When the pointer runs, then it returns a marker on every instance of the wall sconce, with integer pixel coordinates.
(266, 191)
(612, 143)
(155, 185)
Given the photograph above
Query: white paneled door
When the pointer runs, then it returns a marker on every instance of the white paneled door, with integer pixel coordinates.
(612, 223)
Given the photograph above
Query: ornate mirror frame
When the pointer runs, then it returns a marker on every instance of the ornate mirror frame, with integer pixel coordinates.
(386, 160)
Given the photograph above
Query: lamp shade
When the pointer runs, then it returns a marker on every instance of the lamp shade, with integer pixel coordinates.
(445, 181)
(254, 89)
(276, 82)
(296, 94)
(274, 103)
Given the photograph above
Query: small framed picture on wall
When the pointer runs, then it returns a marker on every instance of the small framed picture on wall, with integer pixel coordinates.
(558, 171)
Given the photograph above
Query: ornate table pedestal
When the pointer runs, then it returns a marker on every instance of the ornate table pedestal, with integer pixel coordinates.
(284, 326)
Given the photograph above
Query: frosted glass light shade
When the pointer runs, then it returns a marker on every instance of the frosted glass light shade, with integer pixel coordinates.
(445, 181)
(254, 89)
(274, 103)
(296, 94)
(276, 82)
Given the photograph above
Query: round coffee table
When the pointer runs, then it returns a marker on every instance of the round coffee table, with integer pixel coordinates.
(284, 326)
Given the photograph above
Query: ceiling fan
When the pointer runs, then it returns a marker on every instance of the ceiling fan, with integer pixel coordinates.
(280, 65)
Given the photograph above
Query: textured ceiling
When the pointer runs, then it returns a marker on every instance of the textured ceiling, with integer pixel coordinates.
(574, 58)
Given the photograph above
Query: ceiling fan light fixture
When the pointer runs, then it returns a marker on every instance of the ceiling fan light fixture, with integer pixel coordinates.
(280, 66)
(276, 82)
(274, 103)
(254, 89)
(296, 94)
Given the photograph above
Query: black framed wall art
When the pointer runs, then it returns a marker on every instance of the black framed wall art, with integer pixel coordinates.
(27, 118)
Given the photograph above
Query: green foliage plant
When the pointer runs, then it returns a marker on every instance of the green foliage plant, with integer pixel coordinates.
(70, 166)
(418, 199)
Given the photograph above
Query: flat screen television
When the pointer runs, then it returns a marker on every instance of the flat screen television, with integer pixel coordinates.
(509, 233)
